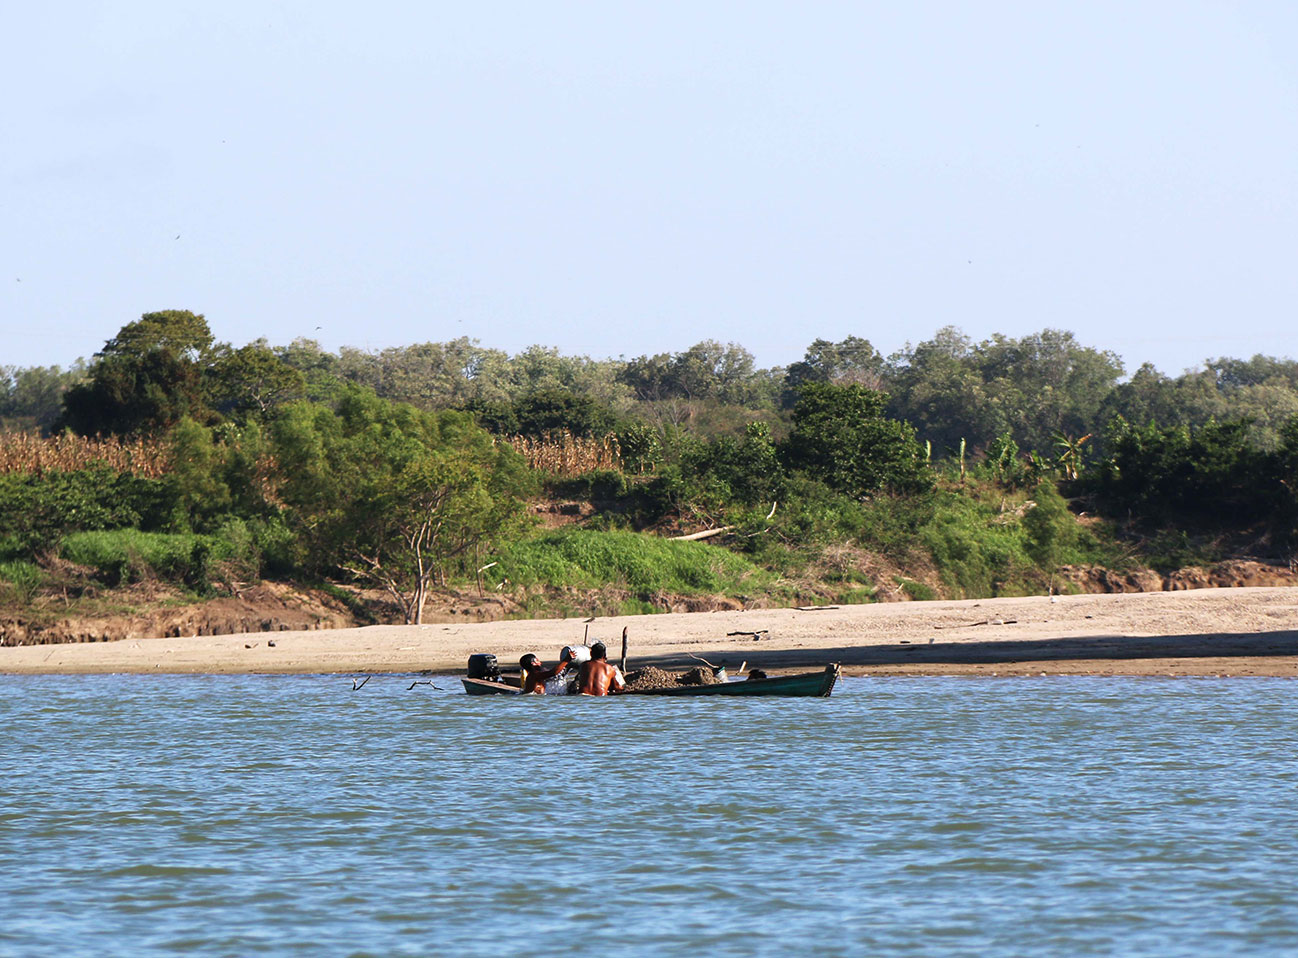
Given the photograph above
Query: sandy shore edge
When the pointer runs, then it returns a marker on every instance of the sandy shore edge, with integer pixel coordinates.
(1247, 631)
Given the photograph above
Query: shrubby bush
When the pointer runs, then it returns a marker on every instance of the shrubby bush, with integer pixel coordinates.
(36, 511)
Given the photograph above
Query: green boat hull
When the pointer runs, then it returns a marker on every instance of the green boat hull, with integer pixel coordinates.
(804, 685)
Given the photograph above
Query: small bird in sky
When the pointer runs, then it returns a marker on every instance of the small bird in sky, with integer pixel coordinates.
(177, 236)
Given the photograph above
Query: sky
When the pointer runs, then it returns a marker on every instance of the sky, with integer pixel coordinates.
(616, 179)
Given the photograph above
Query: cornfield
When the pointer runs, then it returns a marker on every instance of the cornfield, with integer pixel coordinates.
(564, 454)
(29, 452)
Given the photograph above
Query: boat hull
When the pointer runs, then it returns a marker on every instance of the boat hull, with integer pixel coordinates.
(804, 685)
(483, 687)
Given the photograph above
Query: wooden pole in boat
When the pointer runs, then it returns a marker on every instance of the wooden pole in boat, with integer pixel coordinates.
(624, 648)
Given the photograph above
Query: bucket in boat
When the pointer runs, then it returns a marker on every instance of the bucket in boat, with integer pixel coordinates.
(575, 654)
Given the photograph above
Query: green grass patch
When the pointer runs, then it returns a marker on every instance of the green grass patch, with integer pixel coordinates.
(986, 541)
(20, 580)
(858, 596)
(129, 555)
(644, 565)
(916, 591)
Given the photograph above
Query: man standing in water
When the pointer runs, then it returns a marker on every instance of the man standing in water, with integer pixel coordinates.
(598, 676)
(535, 677)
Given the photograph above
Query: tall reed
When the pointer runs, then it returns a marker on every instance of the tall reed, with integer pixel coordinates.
(29, 452)
(563, 454)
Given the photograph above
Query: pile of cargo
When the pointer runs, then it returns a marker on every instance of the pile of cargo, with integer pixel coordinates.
(650, 677)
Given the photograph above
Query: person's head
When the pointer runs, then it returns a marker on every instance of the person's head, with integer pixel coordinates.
(529, 662)
(598, 651)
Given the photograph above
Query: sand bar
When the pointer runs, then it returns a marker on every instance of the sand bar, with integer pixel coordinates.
(1247, 631)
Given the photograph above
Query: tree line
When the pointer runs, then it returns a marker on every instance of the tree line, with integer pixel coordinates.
(1036, 390)
(387, 466)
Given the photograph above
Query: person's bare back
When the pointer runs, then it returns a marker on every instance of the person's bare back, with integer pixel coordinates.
(599, 676)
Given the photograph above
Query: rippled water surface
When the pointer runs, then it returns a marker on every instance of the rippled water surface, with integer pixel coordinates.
(1003, 817)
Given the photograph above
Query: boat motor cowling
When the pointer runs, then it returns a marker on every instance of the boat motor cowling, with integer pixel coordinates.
(483, 665)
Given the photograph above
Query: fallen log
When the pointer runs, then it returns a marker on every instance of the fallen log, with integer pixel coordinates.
(705, 534)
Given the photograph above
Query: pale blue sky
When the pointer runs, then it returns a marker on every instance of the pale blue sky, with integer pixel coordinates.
(620, 178)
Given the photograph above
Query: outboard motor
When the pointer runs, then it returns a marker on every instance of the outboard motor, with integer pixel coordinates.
(482, 665)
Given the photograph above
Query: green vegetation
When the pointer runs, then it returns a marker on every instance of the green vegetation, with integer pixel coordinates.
(646, 568)
(950, 468)
(128, 555)
(20, 580)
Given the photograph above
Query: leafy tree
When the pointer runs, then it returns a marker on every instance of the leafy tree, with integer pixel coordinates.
(429, 375)
(707, 370)
(641, 446)
(1208, 475)
(196, 466)
(392, 494)
(1003, 460)
(555, 410)
(145, 379)
(32, 397)
(852, 361)
(744, 471)
(251, 380)
(497, 416)
(842, 437)
(319, 368)
(1033, 387)
(1286, 462)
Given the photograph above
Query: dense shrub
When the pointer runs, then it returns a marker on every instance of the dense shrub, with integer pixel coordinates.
(36, 511)
(128, 555)
(1211, 475)
(842, 437)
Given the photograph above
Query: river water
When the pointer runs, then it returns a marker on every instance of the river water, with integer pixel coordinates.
(216, 815)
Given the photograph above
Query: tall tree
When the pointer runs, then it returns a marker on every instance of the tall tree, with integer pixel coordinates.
(853, 361)
(392, 494)
(32, 397)
(842, 437)
(251, 380)
(145, 379)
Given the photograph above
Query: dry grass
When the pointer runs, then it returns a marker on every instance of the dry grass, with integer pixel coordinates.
(28, 452)
(564, 454)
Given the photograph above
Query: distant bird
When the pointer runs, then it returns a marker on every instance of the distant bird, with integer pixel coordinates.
(177, 236)
(319, 327)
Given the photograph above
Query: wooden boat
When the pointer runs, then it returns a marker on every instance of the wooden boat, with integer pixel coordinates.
(803, 685)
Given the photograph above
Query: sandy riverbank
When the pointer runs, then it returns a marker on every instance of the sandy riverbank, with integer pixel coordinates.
(1202, 632)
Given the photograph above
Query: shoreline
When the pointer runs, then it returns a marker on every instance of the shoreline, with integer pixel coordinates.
(1207, 632)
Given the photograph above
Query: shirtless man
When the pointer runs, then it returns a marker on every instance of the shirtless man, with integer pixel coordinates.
(598, 676)
(535, 677)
